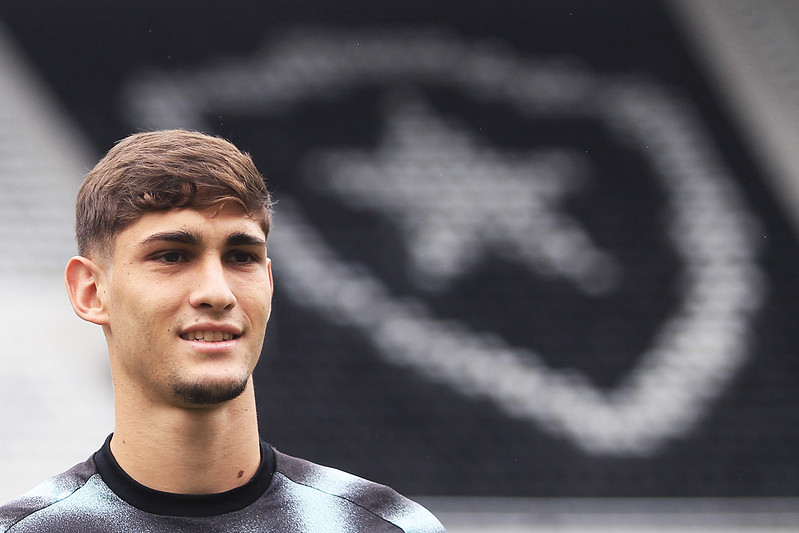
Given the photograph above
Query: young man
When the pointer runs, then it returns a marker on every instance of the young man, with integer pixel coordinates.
(171, 230)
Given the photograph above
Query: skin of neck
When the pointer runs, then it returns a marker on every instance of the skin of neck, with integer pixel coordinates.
(186, 450)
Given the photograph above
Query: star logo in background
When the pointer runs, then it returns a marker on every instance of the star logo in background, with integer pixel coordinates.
(428, 174)
(458, 199)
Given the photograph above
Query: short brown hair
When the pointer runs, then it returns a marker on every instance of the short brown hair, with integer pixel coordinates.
(161, 170)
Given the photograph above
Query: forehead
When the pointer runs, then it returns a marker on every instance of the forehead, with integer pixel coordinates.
(217, 222)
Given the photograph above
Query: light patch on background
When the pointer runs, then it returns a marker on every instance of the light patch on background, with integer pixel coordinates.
(751, 48)
(55, 393)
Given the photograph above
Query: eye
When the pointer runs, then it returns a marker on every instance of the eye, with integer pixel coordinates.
(243, 258)
(170, 257)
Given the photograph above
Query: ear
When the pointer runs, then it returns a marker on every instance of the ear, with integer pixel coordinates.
(271, 284)
(269, 272)
(82, 278)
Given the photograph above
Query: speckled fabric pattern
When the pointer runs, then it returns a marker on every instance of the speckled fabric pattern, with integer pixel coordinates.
(301, 497)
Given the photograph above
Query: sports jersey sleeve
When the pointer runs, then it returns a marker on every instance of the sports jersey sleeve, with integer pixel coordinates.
(346, 502)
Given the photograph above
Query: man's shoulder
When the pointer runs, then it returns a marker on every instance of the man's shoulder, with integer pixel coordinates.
(39, 501)
(309, 480)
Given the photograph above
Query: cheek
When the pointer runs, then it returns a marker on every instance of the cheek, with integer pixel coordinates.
(140, 314)
(256, 300)
(258, 312)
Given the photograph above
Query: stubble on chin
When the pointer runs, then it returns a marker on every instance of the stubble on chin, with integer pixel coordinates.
(201, 393)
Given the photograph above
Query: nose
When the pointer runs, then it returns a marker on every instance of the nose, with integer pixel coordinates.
(212, 290)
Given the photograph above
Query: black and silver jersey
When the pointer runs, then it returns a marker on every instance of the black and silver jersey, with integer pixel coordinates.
(287, 495)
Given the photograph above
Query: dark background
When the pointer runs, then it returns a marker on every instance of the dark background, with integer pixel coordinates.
(323, 392)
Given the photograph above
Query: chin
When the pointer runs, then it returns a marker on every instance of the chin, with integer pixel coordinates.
(209, 393)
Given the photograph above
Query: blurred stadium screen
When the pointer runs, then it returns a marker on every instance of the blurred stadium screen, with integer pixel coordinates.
(535, 262)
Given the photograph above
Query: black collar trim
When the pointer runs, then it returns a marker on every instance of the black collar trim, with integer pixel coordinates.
(171, 504)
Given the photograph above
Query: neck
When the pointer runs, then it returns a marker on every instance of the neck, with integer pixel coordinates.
(183, 450)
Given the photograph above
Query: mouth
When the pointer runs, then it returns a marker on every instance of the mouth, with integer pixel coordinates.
(208, 336)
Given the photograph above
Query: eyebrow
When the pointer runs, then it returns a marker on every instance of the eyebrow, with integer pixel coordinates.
(238, 238)
(241, 238)
(180, 236)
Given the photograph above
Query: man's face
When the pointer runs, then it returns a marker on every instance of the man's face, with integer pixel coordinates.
(188, 295)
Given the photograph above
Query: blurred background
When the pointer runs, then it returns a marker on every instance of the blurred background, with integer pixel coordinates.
(535, 261)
